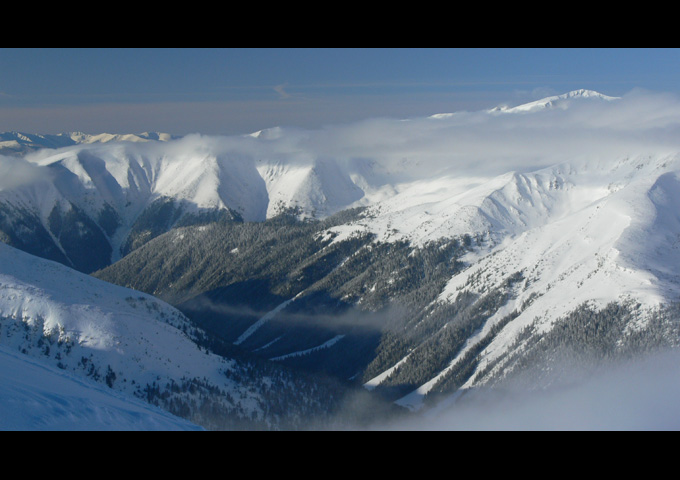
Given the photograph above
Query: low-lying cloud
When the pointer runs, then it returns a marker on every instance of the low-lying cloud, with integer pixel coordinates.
(478, 142)
(17, 173)
(637, 395)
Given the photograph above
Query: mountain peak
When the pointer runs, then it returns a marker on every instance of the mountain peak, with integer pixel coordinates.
(559, 101)
(20, 142)
(581, 93)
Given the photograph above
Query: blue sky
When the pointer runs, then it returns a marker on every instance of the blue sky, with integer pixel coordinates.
(234, 91)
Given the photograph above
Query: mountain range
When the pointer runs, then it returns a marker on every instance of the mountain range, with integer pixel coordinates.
(415, 261)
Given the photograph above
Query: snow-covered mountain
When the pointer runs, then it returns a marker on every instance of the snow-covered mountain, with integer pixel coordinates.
(20, 142)
(110, 198)
(581, 233)
(100, 336)
(522, 252)
(547, 213)
(555, 101)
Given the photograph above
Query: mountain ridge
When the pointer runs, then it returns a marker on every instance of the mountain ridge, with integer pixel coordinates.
(555, 101)
(21, 142)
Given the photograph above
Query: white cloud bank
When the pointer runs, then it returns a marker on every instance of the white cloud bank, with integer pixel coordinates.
(641, 395)
(467, 143)
(482, 143)
(16, 173)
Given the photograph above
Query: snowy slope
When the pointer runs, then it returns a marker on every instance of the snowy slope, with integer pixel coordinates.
(112, 335)
(595, 232)
(61, 305)
(35, 396)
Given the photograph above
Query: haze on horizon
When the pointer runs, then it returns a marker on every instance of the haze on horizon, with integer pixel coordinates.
(232, 91)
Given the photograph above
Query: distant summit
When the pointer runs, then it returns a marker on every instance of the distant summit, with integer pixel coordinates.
(555, 101)
(79, 137)
(12, 143)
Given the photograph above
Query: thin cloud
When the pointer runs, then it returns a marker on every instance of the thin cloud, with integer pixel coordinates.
(17, 173)
(280, 90)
